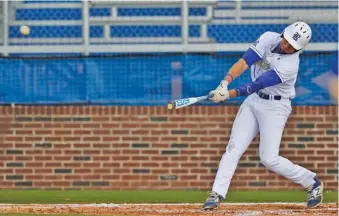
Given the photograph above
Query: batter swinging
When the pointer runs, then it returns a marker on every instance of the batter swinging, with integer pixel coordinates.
(274, 62)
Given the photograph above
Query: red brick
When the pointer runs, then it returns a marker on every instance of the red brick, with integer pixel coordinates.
(42, 132)
(42, 184)
(91, 152)
(327, 139)
(188, 139)
(72, 165)
(53, 152)
(82, 170)
(52, 125)
(325, 152)
(91, 164)
(22, 145)
(14, 138)
(34, 151)
(101, 158)
(159, 158)
(91, 177)
(295, 132)
(188, 177)
(53, 139)
(63, 146)
(189, 152)
(34, 164)
(6, 171)
(61, 183)
(42, 158)
(24, 132)
(82, 132)
(72, 139)
(320, 125)
(71, 125)
(130, 177)
(72, 152)
(62, 158)
(91, 139)
(190, 165)
(62, 132)
(43, 170)
(34, 177)
(23, 158)
(169, 139)
(110, 125)
(22, 171)
(332, 158)
(53, 164)
(110, 138)
(91, 126)
(110, 177)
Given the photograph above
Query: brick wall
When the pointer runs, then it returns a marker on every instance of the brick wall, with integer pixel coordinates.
(150, 147)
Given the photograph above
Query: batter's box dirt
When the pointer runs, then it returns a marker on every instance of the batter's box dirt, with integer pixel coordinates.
(250, 209)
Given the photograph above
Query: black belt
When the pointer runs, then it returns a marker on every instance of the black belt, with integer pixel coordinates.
(268, 97)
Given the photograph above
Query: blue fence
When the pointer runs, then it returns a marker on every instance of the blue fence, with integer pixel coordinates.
(143, 80)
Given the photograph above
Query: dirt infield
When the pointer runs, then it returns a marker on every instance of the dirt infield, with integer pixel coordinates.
(173, 209)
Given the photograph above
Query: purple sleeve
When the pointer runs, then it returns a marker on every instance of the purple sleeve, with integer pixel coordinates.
(250, 56)
(267, 79)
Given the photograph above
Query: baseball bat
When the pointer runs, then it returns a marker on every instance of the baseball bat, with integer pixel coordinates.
(180, 103)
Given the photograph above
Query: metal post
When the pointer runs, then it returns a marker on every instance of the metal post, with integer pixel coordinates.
(85, 25)
(5, 14)
(238, 10)
(184, 25)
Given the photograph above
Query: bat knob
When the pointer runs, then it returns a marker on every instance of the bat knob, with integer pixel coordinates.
(171, 105)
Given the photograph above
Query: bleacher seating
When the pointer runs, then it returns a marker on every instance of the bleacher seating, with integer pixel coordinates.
(148, 22)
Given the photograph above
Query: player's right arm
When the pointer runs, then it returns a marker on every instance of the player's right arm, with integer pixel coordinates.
(253, 54)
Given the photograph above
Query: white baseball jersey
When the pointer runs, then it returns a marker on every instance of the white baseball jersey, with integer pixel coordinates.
(286, 65)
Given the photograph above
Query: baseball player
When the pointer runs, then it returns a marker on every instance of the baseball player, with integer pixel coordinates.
(274, 62)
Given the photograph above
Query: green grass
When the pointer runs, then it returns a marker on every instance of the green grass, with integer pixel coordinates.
(99, 196)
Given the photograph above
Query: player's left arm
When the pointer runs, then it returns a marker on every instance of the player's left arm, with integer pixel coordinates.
(267, 79)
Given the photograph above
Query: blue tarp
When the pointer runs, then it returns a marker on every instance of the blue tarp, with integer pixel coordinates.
(144, 80)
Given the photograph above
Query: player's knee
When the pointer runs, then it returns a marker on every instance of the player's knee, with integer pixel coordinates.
(232, 152)
(234, 156)
(269, 161)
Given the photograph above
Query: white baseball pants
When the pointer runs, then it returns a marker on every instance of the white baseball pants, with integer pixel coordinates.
(268, 117)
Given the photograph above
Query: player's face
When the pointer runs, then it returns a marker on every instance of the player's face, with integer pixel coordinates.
(286, 47)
